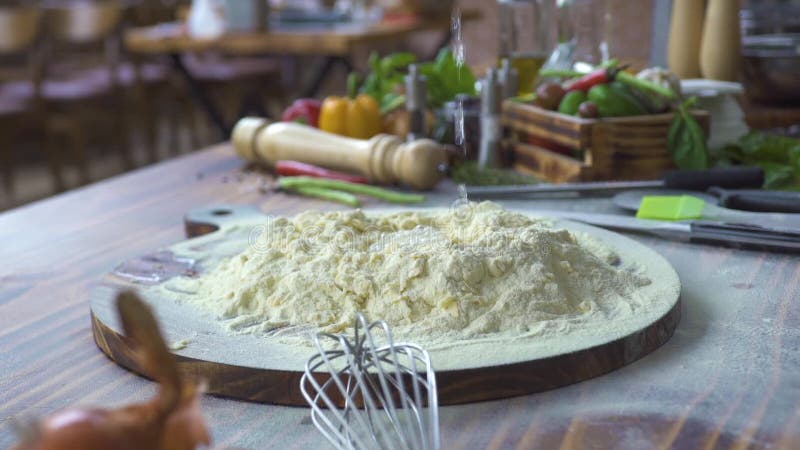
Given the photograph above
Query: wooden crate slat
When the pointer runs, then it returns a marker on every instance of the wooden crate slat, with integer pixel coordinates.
(537, 114)
(565, 130)
(616, 148)
(642, 169)
(536, 129)
(563, 136)
(547, 165)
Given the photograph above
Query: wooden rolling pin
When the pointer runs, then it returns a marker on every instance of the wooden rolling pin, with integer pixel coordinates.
(384, 159)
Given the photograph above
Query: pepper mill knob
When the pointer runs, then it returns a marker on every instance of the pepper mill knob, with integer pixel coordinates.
(383, 159)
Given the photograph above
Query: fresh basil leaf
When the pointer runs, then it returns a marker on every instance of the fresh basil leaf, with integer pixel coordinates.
(397, 61)
(776, 175)
(687, 142)
(794, 157)
(766, 147)
(731, 152)
(460, 78)
(699, 153)
(392, 101)
(675, 128)
(445, 78)
(374, 62)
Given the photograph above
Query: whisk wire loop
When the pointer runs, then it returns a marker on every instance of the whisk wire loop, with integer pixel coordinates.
(375, 396)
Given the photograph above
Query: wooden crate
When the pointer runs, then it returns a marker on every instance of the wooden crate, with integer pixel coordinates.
(622, 148)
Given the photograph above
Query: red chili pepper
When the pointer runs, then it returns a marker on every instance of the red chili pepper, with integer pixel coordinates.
(589, 80)
(296, 168)
(304, 110)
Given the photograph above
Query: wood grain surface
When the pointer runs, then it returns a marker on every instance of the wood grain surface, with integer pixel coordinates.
(729, 378)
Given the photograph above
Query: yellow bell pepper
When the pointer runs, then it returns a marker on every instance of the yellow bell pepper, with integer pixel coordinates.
(357, 118)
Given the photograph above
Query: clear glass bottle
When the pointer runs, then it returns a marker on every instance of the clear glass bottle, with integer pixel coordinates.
(588, 25)
(582, 28)
(526, 37)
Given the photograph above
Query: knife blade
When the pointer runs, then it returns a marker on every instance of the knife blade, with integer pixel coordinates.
(736, 177)
(715, 233)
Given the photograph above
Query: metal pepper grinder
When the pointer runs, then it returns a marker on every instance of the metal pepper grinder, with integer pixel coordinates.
(509, 79)
(491, 131)
(415, 103)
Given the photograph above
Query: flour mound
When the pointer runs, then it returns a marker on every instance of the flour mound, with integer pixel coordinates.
(471, 272)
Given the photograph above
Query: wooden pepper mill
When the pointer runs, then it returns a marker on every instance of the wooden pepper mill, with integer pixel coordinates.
(384, 159)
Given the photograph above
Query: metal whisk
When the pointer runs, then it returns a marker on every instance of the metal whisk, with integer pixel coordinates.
(384, 391)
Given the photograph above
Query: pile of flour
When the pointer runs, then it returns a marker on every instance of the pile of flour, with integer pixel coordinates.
(476, 271)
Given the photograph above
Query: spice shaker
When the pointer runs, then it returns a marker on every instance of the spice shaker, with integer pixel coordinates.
(491, 132)
(415, 103)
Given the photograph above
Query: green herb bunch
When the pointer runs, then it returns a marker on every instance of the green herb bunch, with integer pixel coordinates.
(779, 156)
(445, 79)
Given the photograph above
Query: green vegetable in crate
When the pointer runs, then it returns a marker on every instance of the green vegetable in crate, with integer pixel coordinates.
(571, 102)
(656, 102)
(615, 100)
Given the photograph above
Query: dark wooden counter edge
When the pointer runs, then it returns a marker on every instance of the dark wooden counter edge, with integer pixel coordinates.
(454, 386)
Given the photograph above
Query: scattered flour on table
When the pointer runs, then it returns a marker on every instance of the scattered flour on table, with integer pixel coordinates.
(472, 272)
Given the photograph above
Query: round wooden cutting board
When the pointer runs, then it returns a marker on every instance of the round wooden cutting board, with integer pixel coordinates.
(247, 367)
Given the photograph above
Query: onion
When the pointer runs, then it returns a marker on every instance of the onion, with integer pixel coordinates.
(170, 421)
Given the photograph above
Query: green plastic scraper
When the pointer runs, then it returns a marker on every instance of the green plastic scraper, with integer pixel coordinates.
(670, 207)
(687, 207)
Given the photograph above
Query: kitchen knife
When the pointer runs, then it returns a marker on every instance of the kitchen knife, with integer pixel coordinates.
(717, 233)
(729, 177)
(746, 201)
(758, 200)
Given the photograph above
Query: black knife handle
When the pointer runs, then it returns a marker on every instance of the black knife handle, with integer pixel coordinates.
(726, 177)
(759, 201)
(746, 236)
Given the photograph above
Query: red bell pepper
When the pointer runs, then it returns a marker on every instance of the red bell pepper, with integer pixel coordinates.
(303, 110)
(296, 168)
(591, 79)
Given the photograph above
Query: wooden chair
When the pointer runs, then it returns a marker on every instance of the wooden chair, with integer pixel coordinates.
(241, 85)
(82, 76)
(20, 109)
(153, 12)
(160, 98)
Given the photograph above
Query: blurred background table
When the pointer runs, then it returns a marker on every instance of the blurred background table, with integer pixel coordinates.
(336, 43)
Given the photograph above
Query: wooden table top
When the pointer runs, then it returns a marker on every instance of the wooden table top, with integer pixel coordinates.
(728, 378)
(337, 40)
(765, 117)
